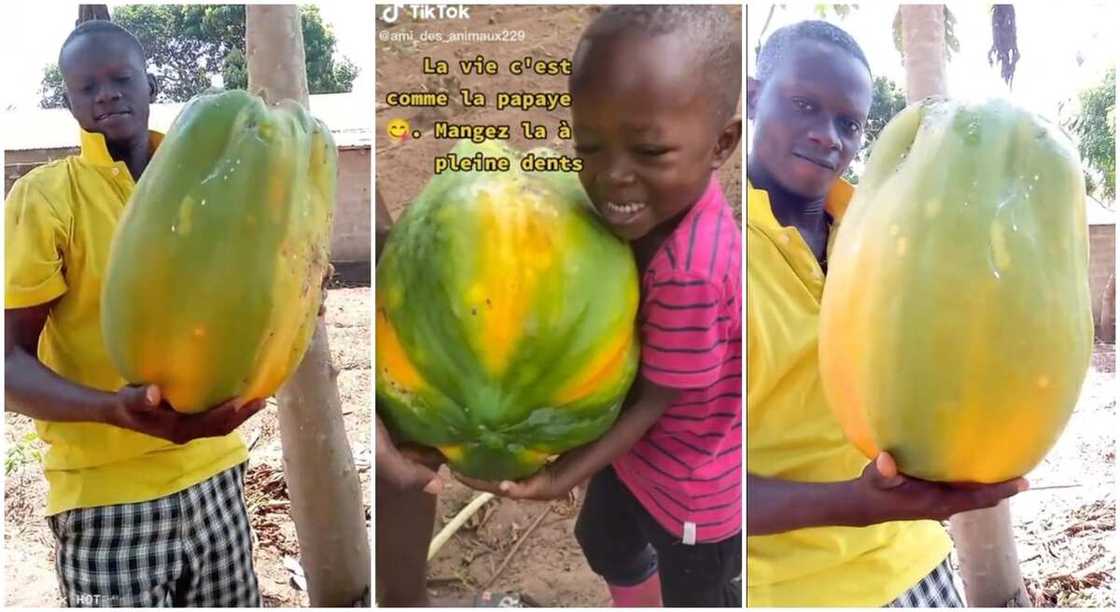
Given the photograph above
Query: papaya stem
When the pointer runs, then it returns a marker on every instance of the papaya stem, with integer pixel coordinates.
(453, 526)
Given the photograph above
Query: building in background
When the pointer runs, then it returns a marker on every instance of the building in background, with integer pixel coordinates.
(35, 137)
(1102, 269)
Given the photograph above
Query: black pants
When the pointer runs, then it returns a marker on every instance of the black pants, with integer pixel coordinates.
(625, 545)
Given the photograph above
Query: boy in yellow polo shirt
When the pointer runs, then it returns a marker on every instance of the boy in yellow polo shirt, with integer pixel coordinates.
(146, 505)
(824, 526)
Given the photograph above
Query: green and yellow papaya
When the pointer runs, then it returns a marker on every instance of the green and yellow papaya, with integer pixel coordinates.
(505, 318)
(956, 328)
(214, 273)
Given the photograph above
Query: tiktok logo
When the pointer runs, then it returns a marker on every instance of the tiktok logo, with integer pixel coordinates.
(391, 13)
(421, 12)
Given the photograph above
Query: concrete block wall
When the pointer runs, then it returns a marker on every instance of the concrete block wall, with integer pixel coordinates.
(351, 238)
(1102, 280)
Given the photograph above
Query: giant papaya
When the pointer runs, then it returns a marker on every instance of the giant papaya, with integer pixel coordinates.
(505, 318)
(955, 328)
(214, 273)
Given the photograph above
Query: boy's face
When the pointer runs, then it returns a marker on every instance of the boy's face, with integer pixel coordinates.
(107, 87)
(643, 124)
(809, 118)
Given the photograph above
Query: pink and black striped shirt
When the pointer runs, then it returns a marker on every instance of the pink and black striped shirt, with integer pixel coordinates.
(687, 469)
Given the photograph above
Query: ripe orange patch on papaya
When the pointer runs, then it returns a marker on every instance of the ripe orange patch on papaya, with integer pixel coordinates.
(392, 360)
(275, 362)
(607, 364)
(291, 326)
(848, 398)
(604, 366)
(185, 386)
(515, 250)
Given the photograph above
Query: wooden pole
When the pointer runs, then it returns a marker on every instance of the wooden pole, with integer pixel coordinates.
(318, 464)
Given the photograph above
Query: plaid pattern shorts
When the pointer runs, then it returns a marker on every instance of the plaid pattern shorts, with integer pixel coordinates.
(191, 548)
(936, 590)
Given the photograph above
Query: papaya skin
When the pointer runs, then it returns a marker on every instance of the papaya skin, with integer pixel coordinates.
(505, 319)
(229, 169)
(956, 327)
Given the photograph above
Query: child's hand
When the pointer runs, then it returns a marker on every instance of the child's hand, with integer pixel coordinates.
(541, 486)
(406, 467)
(886, 495)
(548, 484)
(141, 409)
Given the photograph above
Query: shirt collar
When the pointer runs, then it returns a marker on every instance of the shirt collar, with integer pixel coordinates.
(712, 197)
(713, 194)
(835, 202)
(96, 152)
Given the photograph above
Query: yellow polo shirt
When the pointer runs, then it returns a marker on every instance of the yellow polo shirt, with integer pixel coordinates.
(59, 220)
(792, 435)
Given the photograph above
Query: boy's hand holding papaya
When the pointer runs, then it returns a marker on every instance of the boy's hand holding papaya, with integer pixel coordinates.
(142, 409)
(882, 494)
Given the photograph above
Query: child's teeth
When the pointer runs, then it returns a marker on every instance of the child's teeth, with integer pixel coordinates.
(627, 208)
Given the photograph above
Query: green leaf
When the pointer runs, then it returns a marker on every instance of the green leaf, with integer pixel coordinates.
(52, 91)
(188, 45)
(1095, 128)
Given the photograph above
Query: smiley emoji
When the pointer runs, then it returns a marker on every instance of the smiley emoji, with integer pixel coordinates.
(398, 130)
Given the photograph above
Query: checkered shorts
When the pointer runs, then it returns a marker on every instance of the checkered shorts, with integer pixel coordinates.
(936, 590)
(191, 548)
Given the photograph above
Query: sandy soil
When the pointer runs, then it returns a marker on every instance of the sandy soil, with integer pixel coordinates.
(550, 33)
(1064, 526)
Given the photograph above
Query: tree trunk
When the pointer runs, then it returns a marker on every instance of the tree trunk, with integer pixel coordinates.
(318, 465)
(923, 50)
(92, 12)
(989, 564)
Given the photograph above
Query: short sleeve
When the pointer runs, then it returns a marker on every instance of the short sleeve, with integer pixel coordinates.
(34, 237)
(683, 338)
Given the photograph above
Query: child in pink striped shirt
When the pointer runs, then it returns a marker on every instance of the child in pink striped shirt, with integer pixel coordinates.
(654, 98)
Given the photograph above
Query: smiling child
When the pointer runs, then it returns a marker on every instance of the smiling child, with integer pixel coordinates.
(654, 98)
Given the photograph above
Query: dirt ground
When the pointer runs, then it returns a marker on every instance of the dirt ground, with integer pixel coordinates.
(550, 33)
(1065, 525)
(547, 570)
(27, 539)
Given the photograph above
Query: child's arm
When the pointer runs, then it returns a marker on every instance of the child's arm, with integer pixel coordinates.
(32, 389)
(406, 468)
(879, 495)
(579, 464)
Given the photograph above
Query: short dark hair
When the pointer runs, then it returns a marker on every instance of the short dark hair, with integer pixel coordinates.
(100, 26)
(710, 30)
(781, 42)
